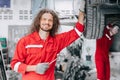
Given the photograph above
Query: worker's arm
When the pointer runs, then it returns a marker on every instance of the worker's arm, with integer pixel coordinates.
(40, 68)
(81, 17)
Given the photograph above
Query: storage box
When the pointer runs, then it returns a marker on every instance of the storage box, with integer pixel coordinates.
(3, 42)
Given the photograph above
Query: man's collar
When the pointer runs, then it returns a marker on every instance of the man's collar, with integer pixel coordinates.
(37, 37)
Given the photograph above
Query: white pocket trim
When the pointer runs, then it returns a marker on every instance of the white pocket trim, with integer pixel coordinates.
(34, 46)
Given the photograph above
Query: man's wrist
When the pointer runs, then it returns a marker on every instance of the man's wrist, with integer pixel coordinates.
(31, 68)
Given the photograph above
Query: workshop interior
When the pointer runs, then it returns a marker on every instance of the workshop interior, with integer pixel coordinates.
(16, 17)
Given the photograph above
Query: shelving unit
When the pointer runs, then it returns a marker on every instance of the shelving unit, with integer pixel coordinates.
(3, 58)
(2, 67)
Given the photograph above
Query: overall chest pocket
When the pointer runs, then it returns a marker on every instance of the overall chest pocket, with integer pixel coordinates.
(33, 55)
(33, 51)
(51, 53)
(51, 49)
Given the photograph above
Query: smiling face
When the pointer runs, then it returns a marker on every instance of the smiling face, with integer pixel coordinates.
(46, 22)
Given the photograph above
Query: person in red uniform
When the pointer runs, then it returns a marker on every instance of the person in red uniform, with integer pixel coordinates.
(35, 54)
(102, 52)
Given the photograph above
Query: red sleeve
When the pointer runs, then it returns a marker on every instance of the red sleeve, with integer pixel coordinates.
(67, 38)
(17, 63)
(79, 26)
